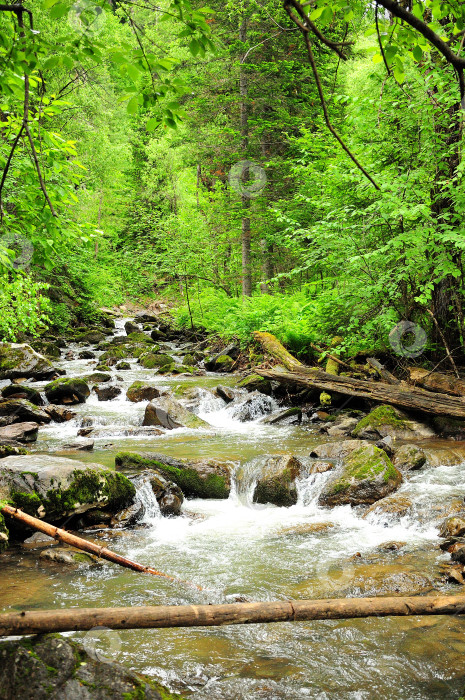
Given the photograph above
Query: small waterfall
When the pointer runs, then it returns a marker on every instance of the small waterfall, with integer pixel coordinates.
(145, 494)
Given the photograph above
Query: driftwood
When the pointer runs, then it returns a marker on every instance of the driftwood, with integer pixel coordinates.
(437, 381)
(86, 546)
(164, 616)
(382, 371)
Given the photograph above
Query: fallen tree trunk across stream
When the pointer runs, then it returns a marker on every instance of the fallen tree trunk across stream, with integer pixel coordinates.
(86, 546)
(165, 616)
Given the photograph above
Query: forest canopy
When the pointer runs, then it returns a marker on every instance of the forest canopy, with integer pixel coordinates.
(281, 166)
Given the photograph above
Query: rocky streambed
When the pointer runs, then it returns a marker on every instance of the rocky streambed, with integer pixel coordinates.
(149, 446)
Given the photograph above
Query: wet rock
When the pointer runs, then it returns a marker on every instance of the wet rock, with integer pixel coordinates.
(102, 368)
(458, 554)
(22, 391)
(152, 360)
(276, 484)
(146, 317)
(107, 393)
(123, 366)
(453, 573)
(69, 556)
(409, 458)
(336, 450)
(86, 355)
(223, 363)
(18, 360)
(38, 539)
(168, 494)
(52, 667)
(449, 428)
(156, 334)
(256, 383)
(386, 444)
(453, 526)
(9, 448)
(59, 414)
(90, 337)
(141, 337)
(366, 476)
(396, 506)
(142, 391)
(307, 529)
(320, 467)
(201, 478)
(254, 406)
(169, 413)
(342, 426)
(294, 412)
(67, 391)
(20, 432)
(131, 327)
(22, 411)
(391, 546)
(97, 377)
(225, 393)
(46, 348)
(51, 487)
(130, 516)
(386, 421)
(80, 445)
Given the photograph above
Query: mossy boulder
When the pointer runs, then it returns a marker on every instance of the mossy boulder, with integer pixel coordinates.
(409, 458)
(169, 413)
(123, 366)
(22, 411)
(256, 383)
(152, 360)
(46, 348)
(22, 391)
(224, 363)
(97, 377)
(9, 448)
(55, 487)
(53, 667)
(142, 391)
(140, 337)
(20, 360)
(387, 421)
(114, 354)
(67, 391)
(276, 484)
(131, 327)
(201, 478)
(90, 337)
(366, 475)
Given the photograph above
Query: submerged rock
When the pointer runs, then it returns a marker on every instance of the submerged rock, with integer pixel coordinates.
(53, 667)
(386, 421)
(201, 478)
(18, 360)
(67, 391)
(366, 476)
(276, 484)
(69, 556)
(170, 414)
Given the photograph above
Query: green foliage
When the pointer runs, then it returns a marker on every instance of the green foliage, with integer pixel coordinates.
(23, 306)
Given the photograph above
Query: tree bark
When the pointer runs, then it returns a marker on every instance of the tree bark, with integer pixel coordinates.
(75, 541)
(273, 347)
(165, 616)
(436, 381)
(244, 112)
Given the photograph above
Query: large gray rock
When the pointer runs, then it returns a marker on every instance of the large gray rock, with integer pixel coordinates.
(336, 450)
(55, 487)
(170, 414)
(20, 432)
(366, 476)
(52, 667)
(20, 360)
(22, 411)
(277, 482)
(22, 391)
(202, 478)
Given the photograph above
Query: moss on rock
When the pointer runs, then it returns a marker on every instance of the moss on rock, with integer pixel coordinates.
(67, 390)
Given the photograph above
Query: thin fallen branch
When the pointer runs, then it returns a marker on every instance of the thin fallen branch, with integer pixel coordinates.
(165, 616)
(86, 546)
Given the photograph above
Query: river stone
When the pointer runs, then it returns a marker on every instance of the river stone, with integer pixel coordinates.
(21, 432)
(170, 414)
(130, 516)
(453, 526)
(201, 478)
(219, 361)
(131, 327)
(342, 426)
(320, 467)
(52, 667)
(293, 412)
(336, 450)
(90, 337)
(254, 406)
(151, 360)
(392, 506)
(97, 377)
(20, 360)
(141, 391)
(80, 445)
(55, 487)
(409, 458)
(69, 556)
(86, 355)
(386, 421)
(276, 484)
(67, 391)
(22, 391)
(107, 393)
(225, 393)
(122, 366)
(256, 383)
(22, 411)
(168, 494)
(11, 447)
(59, 414)
(366, 476)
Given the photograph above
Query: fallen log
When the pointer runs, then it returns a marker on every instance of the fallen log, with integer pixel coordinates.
(164, 616)
(382, 371)
(437, 381)
(273, 347)
(85, 545)
(402, 396)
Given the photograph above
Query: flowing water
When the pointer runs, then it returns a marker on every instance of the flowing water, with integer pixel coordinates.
(237, 550)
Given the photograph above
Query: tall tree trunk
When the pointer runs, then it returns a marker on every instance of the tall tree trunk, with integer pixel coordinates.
(244, 111)
(267, 265)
